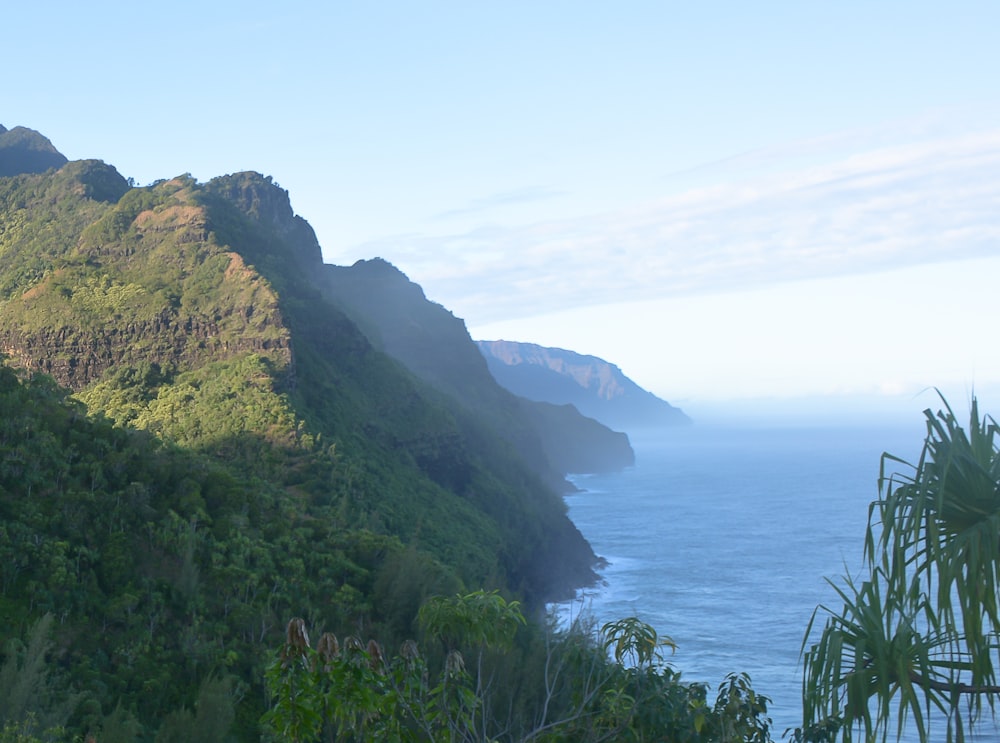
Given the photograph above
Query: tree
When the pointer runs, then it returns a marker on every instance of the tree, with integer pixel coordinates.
(31, 695)
(615, 687)
(357, 691)
(919, 636)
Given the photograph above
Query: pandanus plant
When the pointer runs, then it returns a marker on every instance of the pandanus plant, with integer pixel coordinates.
(918, 639)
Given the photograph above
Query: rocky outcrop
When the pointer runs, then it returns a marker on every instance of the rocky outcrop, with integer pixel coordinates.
(268, 205)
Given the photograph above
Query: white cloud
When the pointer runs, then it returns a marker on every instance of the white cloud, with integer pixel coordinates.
(884, 208)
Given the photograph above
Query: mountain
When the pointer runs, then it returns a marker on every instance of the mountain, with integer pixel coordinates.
(595, 387)
(184, 278)
(436, 346)
(199, 439)
(24, 150)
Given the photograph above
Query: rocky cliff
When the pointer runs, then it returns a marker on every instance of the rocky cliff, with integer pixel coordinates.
(597, 388)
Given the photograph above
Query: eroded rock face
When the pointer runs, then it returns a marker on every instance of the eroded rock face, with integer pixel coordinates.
(76, 359)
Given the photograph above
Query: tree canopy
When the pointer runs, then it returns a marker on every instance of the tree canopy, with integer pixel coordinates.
(917, 639)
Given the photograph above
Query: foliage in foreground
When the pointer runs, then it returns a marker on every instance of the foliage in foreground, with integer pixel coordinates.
(163, 567)
(917, 640)
(612, 687)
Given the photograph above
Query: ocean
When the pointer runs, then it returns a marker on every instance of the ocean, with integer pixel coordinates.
(723, 540)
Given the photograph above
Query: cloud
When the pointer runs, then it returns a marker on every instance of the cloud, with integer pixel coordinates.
(875, 210)
(525, 195)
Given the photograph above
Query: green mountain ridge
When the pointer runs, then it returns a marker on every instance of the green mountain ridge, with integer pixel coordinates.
(155, 281)
(246, 453)
(436, 346)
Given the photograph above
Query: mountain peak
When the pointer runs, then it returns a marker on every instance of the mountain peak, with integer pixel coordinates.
(24, 150)
(268, 205)
(368, 278)
(378, 267)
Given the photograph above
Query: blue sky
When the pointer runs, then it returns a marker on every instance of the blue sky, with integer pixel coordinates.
(750, 200)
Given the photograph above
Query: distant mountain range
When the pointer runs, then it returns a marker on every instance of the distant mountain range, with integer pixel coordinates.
(597, 388)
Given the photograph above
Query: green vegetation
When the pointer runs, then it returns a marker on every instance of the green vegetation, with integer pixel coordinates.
(164, 567)
(134, 280)
(917, 639)
(42, 216)
(197, 442)
(435, 345)
(215, 446)
(161, 574)
(234, 452)
(563, 687)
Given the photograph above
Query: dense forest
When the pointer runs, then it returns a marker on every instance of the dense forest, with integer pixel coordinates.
(206, 433)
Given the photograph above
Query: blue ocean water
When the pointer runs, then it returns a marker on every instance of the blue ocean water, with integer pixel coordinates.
(722, 539)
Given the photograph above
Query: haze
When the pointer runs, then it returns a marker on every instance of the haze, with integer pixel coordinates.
(759, 201)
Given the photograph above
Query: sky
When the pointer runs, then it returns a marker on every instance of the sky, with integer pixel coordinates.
(771, 201)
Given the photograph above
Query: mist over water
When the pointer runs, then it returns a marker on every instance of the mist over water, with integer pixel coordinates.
(722, 538)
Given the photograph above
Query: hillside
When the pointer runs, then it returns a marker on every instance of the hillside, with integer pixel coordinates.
(246, 453)
(597, 388)
(436, 346)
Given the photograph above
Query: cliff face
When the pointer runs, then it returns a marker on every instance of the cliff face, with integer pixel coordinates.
(76, 359)
(269, 209)
(598, 389)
